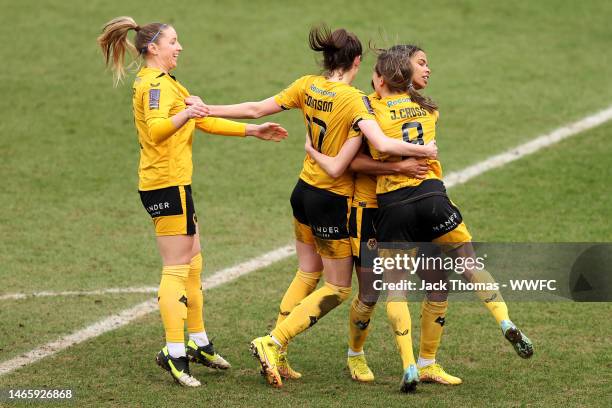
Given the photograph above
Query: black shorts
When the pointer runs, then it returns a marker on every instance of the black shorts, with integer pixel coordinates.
(416, 214)
(172, 210)
(321, 219)
(363, 234)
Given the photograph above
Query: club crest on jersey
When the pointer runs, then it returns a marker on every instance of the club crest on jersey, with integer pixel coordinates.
(154, 95)
(372, 244)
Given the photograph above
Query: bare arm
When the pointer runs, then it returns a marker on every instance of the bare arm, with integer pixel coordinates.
(395, 147)
(245, 110)
(225, 127)
(337, 165)
(411, 167)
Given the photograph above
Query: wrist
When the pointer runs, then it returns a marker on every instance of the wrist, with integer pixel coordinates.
(250, 130)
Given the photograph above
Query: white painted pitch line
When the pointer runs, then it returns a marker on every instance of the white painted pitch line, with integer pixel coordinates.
(19, 296)
(528, 148)
(226, 275)
(142, 309)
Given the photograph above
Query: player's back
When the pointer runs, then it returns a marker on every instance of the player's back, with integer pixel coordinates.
(331, 111)
(402, 119)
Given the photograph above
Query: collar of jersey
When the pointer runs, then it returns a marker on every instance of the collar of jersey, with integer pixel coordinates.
(390, 97)
(149, 70)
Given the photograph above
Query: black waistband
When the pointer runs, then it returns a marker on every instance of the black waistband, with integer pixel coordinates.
(411, 194)
(304, 184)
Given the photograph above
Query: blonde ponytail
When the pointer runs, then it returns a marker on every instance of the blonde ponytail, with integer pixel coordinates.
(114, 44)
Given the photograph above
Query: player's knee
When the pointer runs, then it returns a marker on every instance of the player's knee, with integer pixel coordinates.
(341, 292)
(368, 298)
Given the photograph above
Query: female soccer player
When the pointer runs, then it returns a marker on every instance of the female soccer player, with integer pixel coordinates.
(334, 113)
(165, 128)
(416, 210)
(364, 248)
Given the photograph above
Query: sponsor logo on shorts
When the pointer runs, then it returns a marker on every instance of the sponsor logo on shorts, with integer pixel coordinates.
(450, 224)
(325, 232)
(156, 209)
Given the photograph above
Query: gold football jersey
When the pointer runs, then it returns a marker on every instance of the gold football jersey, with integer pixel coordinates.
(331, 111)
(166, 162)
(365, 188)
(402, 119)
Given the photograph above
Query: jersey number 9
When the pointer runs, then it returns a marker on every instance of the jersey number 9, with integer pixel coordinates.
(406, 133)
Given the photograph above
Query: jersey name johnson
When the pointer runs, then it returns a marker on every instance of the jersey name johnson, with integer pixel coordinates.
(331, 111)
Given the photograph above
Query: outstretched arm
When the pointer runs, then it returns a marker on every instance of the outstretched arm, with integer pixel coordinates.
(265, 131)
(337, 165)
(245, 110)
(395, 147)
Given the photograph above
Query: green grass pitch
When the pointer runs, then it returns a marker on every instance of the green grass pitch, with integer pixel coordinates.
(71, 217)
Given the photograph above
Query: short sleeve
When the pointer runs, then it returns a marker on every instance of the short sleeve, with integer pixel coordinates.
(158, 99)
(361, 109)
(292, 97)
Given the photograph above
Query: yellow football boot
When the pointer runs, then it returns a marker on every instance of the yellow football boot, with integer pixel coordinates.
(358, 367)
(284, 369)
(266, 351)
(435, 373)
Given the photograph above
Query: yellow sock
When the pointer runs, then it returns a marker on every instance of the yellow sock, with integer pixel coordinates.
(492, 299)
(309, 311)
(172, 299)
(193, 287)
(432, 326)
(359, 324)
(399, 318)
(302, 285)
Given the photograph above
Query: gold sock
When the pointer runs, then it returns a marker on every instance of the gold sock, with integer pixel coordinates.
(172, 299)
(195, 306)
(432, 326)
(359, 324)
(399, 318)
(492, 299)
(302, 285)
(309, 311)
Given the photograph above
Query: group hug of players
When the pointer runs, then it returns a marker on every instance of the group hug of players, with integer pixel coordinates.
(370, 175)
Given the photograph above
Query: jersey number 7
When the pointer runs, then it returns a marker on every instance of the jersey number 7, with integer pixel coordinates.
(323, 128)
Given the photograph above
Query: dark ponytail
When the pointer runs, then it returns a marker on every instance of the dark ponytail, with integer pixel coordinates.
(339, 48)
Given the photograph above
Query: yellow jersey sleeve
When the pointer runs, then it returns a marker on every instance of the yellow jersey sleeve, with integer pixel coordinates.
(360, 109)
(220, 126)
(158, 100)
(292, 97)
